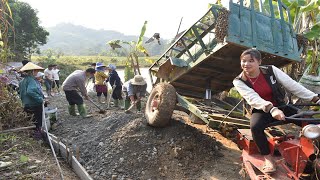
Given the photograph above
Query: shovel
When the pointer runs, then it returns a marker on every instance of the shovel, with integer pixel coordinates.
(101, 111)
(128, 110)
(132, 105)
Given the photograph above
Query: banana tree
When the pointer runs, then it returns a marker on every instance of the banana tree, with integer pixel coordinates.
(306, 22)
(6, 23)
(135, 48)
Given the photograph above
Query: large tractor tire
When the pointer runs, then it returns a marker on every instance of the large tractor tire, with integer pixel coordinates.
(160, 105)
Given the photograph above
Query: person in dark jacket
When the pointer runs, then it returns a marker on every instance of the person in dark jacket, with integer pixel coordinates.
(116, 85)
(31, 95)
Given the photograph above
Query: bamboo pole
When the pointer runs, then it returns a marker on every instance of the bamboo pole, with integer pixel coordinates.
(17, 129)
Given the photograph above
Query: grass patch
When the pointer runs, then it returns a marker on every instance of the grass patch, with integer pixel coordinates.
(68, 64)
(83, 62)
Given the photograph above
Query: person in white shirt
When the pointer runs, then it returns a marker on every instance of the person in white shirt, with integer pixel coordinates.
(56, 82)
(48, 79)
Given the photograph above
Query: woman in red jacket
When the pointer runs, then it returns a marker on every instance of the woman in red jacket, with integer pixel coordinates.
(261, 87)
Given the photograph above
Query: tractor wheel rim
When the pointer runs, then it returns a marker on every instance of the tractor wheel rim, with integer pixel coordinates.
(155, 103)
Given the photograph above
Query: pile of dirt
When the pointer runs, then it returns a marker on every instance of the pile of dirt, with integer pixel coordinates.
(122, 146)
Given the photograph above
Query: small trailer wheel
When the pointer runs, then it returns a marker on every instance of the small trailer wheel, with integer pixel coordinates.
(160, 105)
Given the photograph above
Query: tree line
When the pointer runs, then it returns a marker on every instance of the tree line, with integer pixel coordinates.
(21, 29)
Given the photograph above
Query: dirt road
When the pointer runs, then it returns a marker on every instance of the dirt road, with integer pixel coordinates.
(122, 146)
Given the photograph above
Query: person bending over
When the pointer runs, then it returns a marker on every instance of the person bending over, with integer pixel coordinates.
(134, 89)
(74, 82)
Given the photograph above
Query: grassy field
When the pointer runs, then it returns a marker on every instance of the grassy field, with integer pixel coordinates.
(84, 61)
(67, 64)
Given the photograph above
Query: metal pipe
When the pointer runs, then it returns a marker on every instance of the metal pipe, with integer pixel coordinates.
(208, 94)
(230, 112)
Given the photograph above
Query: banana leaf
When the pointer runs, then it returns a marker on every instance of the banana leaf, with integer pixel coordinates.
(310, 7)
(311, 82)
(139, 45)
(314, 32)
(149, 60)
(143, 30)
(8, 7)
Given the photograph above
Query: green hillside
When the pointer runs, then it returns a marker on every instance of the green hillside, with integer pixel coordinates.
(78, 40)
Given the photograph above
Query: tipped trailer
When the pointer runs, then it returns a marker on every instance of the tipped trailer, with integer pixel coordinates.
(204, 60)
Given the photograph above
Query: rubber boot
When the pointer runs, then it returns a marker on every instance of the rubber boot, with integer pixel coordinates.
(121, 105)
(116, 103)
(138, 105)
(82, 110)
(50, 93)
(72, 110)
(99, 100)
(105, 99)
(126, 104)
(37, 134)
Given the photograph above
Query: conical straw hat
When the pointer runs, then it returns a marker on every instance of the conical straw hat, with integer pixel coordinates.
(30, 66)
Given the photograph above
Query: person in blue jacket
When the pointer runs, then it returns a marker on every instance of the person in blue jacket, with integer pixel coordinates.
(116, 85)
(31, 95)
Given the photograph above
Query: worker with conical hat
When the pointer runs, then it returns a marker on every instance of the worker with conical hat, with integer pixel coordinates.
(31, 95)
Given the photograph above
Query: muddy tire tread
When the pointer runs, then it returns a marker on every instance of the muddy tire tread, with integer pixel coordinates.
(166, 106)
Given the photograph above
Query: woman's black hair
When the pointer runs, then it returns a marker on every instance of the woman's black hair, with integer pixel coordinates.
(91, 71)
(253, 53)
(24, 62)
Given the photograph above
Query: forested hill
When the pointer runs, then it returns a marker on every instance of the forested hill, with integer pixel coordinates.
(78, 40)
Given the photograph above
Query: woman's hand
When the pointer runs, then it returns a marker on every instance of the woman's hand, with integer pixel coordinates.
(277, 114)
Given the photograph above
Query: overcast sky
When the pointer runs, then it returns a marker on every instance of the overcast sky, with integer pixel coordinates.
(126, 16)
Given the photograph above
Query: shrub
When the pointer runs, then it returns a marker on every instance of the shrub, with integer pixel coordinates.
(11, 110)
(113, 60)
(234, 93)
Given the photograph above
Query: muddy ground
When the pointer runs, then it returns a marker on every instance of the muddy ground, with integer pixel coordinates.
(116, 145)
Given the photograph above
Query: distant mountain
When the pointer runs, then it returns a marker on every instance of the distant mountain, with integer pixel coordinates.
(78, 40)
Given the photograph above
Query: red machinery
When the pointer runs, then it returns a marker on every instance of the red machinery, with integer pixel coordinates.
(296, 157)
